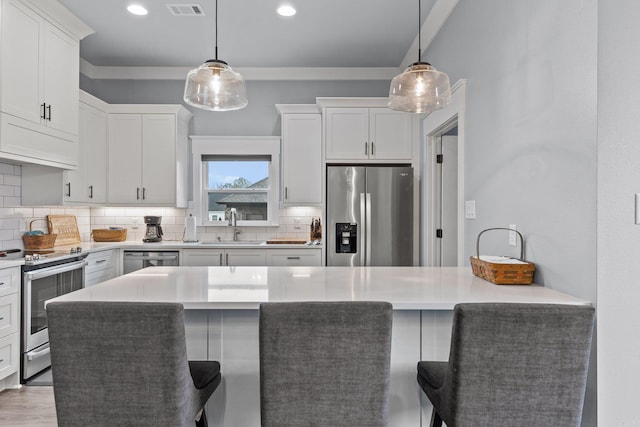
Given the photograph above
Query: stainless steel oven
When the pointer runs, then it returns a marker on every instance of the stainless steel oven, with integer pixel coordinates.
(42, 280)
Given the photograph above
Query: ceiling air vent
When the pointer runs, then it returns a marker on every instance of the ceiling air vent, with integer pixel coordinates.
(186, 9)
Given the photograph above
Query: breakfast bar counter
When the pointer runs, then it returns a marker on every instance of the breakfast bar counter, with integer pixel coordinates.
(229, 288)
(221, 319)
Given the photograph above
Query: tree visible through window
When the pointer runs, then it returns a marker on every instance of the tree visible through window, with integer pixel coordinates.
(239, 182)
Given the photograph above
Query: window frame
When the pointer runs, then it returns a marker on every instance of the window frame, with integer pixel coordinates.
(235, 146)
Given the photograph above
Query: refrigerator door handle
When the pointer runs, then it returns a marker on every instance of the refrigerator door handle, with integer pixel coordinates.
(362, 229)
(367, 222)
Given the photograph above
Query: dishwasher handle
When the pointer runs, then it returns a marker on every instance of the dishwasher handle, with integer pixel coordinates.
(152, 257)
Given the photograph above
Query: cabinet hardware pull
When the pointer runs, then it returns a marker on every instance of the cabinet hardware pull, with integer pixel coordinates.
(293, 257)
(1, 360)
(286, 193)
(221, 259)
(144, 193)
(366, 149)
(44, 110)
(1, 283)
(1, 318)
(227, 259)
(91, 191)
(100, 261)
(137, 193)
(68, 189)
(373, 152)
(49, 110)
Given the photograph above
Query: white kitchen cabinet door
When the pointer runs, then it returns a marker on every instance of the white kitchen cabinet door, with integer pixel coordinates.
(61, 65)
(125, 158)
(301, 159)
(93, 138)
(22, 69)
(347, 133)
(202, 257)
(158, 158)
(236, 257)
(390, 134)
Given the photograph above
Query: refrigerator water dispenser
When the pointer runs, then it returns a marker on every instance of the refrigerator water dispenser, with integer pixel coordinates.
(346, 238)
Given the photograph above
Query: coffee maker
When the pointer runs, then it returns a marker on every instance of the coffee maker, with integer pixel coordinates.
(154, 231)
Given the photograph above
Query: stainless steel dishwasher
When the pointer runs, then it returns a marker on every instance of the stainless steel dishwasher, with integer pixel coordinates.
(136, 260)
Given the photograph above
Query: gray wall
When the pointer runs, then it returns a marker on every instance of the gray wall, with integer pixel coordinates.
(531, 141)
(618, 236)
(258, 118)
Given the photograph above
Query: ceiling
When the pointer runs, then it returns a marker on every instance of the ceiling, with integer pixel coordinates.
(345, 34)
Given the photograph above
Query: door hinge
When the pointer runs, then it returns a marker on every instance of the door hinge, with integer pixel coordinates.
(439, 233)
(439, 158)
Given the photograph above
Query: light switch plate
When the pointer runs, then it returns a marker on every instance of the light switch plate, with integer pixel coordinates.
(470, 209)
(512, 235)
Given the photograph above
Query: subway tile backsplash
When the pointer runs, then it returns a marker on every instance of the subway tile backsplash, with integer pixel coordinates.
(15, 218)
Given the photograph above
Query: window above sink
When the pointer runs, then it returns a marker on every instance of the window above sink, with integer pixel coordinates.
(240, 173)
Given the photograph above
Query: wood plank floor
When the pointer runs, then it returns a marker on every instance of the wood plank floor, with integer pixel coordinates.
(31, 406)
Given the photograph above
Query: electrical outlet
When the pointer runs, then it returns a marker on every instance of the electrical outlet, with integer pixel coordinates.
(470, 209)
(512, 235)
(296, 223)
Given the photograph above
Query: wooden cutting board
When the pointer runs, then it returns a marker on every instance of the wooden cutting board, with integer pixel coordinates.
(66, 227)
(286, 241)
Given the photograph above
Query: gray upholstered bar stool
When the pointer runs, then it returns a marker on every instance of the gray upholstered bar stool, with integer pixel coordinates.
(325, 363)
(125, 364)
(512, 365)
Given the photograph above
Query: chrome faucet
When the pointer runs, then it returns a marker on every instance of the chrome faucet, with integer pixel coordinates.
(232, 218)
(236, 232)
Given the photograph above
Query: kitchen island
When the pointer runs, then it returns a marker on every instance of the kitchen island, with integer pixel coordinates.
(221, 318)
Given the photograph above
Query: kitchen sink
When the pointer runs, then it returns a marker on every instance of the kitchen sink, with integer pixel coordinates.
(233, 242)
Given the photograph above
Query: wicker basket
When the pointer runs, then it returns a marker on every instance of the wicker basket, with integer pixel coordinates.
(38, 242)
(108, 235)
(520, 273)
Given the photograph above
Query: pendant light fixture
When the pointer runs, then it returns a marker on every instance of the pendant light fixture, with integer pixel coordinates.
(420, 88)
(214, 85)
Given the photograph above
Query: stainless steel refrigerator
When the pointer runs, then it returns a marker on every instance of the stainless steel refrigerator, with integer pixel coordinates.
(369, 215)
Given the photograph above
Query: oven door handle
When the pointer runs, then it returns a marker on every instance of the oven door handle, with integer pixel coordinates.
(36, 354)
(50, 271)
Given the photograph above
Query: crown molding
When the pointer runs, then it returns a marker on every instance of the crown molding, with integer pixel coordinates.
(250, 73)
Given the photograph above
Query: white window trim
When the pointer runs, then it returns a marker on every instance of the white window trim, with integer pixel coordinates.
(235, 146)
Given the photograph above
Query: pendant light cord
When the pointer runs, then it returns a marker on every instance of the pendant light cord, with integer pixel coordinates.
(216, 30)
(419, 44)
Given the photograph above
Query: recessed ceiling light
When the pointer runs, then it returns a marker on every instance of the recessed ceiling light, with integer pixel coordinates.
(136, 9)
(286, 11)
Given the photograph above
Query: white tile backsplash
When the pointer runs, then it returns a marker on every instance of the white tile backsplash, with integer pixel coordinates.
(15, 218)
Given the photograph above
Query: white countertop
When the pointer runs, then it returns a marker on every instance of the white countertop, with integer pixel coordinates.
(407, 288)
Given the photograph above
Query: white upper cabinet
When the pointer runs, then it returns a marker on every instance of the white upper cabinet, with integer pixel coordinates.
(362, 129)
(44, 185)
(148, 155)
(39, 85)
(301, 155)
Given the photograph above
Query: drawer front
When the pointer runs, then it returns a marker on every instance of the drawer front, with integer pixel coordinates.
(283, 257)
(9, 355)
(8, 314)
(99, 261)
(9, 280)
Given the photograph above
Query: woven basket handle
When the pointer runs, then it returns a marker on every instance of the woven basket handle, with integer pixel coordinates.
(501, 228)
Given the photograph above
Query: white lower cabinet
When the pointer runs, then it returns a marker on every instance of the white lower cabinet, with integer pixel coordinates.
(216, 257)
(294, 257)
(9, 326)
(101, 266)
(251, 257)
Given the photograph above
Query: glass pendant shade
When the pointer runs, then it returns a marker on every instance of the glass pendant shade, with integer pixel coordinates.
(215, 86)
(419, 89)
